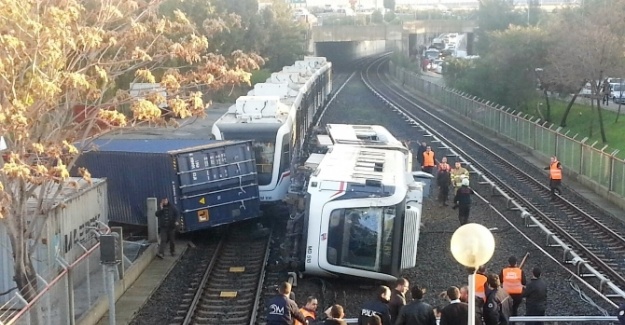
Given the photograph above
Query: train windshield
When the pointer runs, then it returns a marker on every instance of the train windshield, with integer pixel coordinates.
(264, 136)
(362, 238)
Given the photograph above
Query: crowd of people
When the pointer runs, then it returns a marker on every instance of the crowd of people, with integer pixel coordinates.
(497, 298)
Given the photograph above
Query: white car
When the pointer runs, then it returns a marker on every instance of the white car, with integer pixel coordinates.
(618, 93)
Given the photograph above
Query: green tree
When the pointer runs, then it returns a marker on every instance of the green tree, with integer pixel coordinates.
(494, 15)
(285, 40)
(507, 72)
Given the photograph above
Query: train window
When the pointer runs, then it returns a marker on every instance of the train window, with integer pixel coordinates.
(361, 238)
(285, 160)
(264, 152)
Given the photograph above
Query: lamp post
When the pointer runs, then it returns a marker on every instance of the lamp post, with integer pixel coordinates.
(472, 245)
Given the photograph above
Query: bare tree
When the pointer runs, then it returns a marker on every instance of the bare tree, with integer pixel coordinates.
(586, 49)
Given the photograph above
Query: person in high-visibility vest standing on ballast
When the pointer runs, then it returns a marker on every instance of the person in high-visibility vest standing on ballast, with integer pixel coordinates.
(555, 176)
(429, 161)
(513, 279)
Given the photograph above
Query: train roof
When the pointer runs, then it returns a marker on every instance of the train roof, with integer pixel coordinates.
(364, 135)
(271, 101)
(361, 165)
(256, 109)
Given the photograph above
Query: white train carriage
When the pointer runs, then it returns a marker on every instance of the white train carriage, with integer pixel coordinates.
(362, 207)
(277, 115)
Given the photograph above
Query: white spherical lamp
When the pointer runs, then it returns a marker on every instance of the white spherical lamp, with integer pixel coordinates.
(472, 245)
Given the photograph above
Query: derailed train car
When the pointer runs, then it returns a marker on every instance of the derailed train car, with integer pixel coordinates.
(360, 209)
(210, 182)
(278, 114)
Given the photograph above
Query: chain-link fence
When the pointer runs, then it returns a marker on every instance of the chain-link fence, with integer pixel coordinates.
(578, 156)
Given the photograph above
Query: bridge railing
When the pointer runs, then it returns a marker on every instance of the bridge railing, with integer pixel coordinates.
(598, 167)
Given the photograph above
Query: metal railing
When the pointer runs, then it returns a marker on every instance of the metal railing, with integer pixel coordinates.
(66, 297)
(599, 166)
(547, 320)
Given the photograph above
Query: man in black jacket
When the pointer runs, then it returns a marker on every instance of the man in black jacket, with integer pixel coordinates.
(462, 201)
(417, 311)
(443, 180)
(398, 297)
(498, 305)
(282, 310)
(167, 217)
(479, 303)
(378, 306)
(535, 294)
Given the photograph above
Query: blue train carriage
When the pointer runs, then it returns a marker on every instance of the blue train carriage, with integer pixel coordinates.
(362, 207)
(277, 115)
(211, 182)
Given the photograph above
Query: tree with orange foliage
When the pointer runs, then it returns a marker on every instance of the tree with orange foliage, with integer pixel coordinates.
(57, 54)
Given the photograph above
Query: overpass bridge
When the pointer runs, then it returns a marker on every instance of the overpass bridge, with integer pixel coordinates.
(345, 42)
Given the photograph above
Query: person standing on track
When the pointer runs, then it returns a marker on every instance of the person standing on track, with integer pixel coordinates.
(167, 216)
(443, 180)
(555, 176)
(513, 279)
(443, 165)
(282, 310)
(420, 152)
(462, 201)
(620, 314)
(429, 160)
(458, 173)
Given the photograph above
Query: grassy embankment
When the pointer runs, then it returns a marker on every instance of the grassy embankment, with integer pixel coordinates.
(583, 120)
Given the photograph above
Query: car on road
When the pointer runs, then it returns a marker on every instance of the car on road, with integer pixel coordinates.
(618, 93)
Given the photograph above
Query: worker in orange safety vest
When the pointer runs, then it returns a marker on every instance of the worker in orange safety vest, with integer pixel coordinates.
(429, 160)
(480, 282)
(555, 176)
(308, 310)
(513, 280)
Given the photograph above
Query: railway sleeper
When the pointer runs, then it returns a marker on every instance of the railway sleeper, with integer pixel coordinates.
(232, 308)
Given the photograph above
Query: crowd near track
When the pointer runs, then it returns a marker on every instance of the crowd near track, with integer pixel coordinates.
(229, 289)
(593, 243)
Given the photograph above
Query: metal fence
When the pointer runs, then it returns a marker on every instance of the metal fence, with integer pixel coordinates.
(547, 320)
(63, 299)
(577, 155)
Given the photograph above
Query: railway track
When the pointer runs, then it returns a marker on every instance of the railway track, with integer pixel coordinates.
(229, 288)
(587, 235)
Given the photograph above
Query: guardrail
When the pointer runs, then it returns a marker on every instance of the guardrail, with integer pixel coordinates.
(546, 319)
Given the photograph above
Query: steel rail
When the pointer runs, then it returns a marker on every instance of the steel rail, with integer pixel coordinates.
(394, 103)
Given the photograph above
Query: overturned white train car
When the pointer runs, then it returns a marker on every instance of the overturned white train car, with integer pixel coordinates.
(360, 210)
